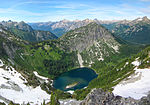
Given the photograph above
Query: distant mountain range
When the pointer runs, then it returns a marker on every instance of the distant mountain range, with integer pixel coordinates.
(26, 32)
(135, 31)
(61, 27)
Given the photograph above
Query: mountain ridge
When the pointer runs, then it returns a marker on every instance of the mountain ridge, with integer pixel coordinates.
(88, 39)
(135, 31)
(26, 32)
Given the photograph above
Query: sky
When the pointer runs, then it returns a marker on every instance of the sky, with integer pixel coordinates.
(56, 10)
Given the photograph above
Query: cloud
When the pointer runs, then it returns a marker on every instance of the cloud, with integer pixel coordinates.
(69, 6)
(54, 11)
(145, 0)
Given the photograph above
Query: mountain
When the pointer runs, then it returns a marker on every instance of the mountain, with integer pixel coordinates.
(25, 32)
(60, 27)
(9, 44)
(19, 25)
(136, 31)
(40, 63)
(92, 42)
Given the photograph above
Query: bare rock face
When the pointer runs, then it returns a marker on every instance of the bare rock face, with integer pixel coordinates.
(100, 97)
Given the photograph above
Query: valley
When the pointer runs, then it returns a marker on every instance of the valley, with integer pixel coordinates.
(88, 56)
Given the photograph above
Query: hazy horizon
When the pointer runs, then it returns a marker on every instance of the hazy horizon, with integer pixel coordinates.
(75, 20)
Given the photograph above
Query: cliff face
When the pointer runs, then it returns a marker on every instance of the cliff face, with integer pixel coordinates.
(100, 97)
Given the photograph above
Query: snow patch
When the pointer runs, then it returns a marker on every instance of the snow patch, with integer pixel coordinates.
(41, 77)
(136, 86)
(136, 63)
(70, 91)
(116, 48)
(69, 102)
(1, 63)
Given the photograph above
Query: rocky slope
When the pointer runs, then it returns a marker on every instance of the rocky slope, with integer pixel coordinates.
(92, 42)
(25, 32)
(100, 97)
(136, 31)
(9, 44)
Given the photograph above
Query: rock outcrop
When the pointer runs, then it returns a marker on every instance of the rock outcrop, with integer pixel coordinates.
(100, 97)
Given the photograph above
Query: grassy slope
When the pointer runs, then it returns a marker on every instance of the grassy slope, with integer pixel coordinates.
(46, 58)
(112, 70)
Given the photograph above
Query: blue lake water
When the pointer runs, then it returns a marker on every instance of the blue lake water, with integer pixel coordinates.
(81, 77)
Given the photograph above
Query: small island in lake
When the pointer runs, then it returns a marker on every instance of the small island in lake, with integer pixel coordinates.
(71, 85)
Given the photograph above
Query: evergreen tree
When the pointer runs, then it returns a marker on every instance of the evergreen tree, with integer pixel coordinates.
(54, 99)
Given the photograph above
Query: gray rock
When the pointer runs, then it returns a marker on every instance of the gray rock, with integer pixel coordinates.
(100, 97)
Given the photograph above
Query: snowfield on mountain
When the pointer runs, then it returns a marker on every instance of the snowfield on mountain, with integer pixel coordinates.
(136, 85)
(13, 88)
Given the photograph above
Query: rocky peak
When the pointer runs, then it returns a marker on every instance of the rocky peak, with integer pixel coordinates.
(84, 37)
(19, 25)
(24, 26)
(22, 22)
(145, 18)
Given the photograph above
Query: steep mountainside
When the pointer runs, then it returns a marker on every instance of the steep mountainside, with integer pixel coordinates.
(136, 31)
(92, 42)
(25, 32)
(9, 43)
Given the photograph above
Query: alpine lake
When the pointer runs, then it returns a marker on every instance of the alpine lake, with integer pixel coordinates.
(74, 79)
